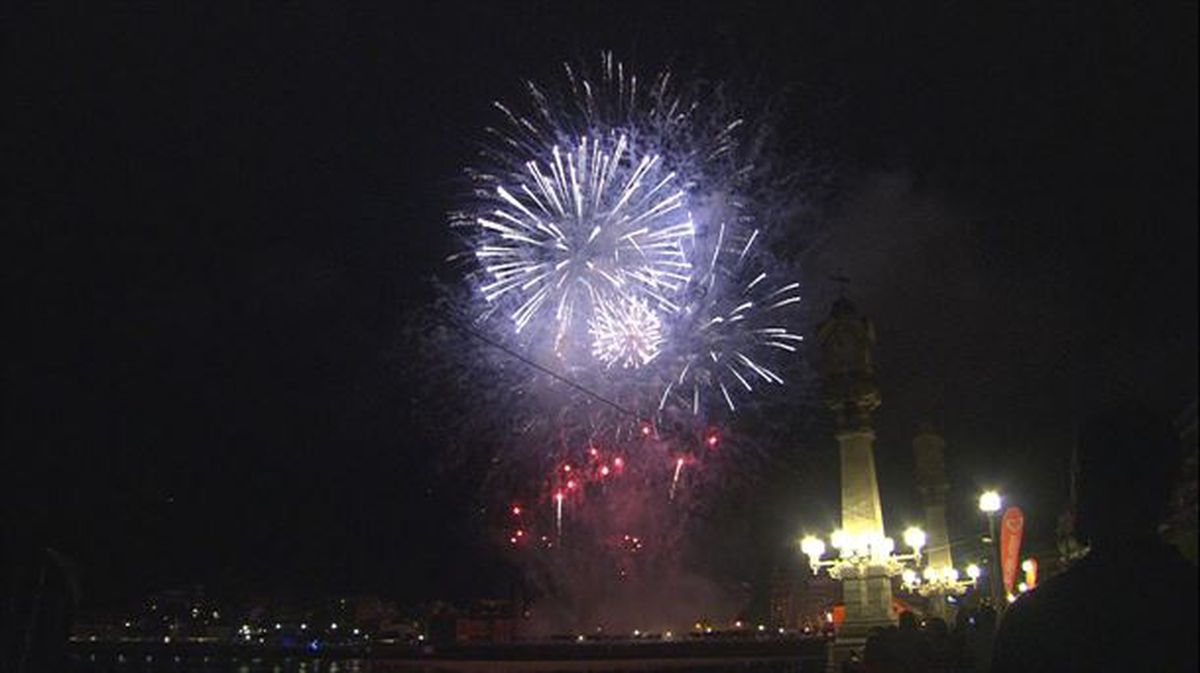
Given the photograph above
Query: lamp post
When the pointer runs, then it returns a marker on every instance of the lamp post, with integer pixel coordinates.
(990, 503)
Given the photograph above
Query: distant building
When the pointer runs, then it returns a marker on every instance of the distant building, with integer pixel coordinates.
(800, 599)
(491, 621)
(178, 613)
(818, 596)
(100, 625)
(782, 606)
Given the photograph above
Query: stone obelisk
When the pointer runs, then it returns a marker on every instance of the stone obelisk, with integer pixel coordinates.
(845, 341)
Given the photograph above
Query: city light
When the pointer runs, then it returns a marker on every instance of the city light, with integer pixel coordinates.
(973, 572)
(812, 547)
(914, 537)
(990, 502)
(838, 539)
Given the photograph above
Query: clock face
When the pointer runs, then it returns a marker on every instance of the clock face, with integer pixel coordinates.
(845, 348)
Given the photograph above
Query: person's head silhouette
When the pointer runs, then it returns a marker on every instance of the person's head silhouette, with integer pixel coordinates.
(1126, 461)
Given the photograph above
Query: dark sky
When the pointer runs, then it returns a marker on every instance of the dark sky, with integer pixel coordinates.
(218, 217)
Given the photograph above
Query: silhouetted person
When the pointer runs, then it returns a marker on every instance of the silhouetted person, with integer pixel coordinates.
(1131, 603)
(958, 639)
(873, 654)
(980, 639)
(908, 648)
(936, 636)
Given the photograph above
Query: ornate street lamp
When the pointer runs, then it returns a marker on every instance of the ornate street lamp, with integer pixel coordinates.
(860, 554)
(940, 581)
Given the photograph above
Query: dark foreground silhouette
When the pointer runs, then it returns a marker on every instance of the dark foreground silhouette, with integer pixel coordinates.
(1131, 603)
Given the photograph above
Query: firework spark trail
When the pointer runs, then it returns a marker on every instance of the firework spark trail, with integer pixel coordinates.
(558, 511)
(675, 478)
(734, 324)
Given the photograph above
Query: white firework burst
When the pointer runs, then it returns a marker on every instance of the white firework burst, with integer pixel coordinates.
(626, 332)
(590, 224)
(611, 232)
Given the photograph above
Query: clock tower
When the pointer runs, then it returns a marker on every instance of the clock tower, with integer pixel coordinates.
(845, 341)
(929, 452)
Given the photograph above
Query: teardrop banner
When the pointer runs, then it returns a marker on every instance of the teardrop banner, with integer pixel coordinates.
(1012, 526)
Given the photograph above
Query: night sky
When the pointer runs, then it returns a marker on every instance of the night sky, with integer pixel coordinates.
(219, 218)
